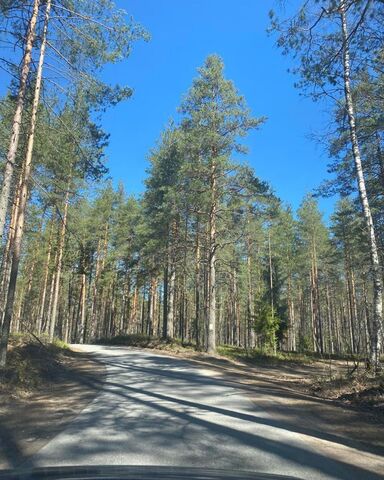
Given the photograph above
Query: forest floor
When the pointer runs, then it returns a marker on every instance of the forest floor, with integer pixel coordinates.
(42, 389)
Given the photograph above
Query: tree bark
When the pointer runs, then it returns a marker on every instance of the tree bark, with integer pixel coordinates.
(171, 301)
(23, 197)
(82, 330)
(17, 118)
(376, 332)
(270, 273)
(250, 309)
(197, 287)
(60, 250)
(39, 322)
(7, 254)
(211, 340)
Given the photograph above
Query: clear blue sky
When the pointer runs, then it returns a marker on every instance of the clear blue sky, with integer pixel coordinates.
(183, 33)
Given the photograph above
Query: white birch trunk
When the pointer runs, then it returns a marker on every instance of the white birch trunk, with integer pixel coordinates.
(376, 331)
(211, 340)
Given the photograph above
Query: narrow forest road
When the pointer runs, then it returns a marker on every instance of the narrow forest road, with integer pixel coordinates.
(158, 410)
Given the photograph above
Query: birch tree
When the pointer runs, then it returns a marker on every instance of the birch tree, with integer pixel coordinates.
(324, 37)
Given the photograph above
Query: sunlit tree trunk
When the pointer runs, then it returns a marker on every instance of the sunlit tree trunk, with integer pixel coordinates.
(211, 339)
(82, 316)
(250, 309)
(171, 300)
(7, 255)
(376, 331)
(60, 251)
(45, 283)
(23, 196)
(17, 118)
(197, 286)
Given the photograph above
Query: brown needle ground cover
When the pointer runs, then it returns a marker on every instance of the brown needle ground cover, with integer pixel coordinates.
(42, 388)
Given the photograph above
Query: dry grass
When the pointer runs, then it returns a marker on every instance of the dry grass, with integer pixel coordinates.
(31, 365)
(361, 389)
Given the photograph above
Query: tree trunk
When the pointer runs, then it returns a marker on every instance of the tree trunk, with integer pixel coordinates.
(82, 330)
(270, 273)
(39, 322)
(60, 250)
(330, 320)
(17, 118)
(250, 309)
(211, 341)
(152, 305)
(165, 302)
(197, 287)
(92, 321)
(291, 316)
(376, 333)
(171, 301)
(23, 197)
(7, 254)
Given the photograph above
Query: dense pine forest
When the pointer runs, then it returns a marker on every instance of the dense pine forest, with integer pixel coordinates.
(208, 253)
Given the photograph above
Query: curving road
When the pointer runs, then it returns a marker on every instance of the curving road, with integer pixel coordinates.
(158, 410)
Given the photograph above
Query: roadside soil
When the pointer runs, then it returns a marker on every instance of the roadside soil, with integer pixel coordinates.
(31, 416)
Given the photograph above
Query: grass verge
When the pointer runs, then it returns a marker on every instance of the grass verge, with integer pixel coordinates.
(253, 356)
(260, 357)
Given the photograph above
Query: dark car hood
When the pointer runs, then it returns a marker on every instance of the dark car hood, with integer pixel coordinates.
(135, 473)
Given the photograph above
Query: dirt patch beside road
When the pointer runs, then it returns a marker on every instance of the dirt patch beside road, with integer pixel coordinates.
(35, 410)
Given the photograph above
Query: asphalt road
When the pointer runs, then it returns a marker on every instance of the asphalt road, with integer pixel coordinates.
(158, 410)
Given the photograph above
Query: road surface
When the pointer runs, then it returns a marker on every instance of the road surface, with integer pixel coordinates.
(158, 410)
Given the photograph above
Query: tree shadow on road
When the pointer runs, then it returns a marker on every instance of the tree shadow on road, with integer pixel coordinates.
(172, 419)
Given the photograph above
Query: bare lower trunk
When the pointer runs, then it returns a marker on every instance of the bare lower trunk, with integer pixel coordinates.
(152, 306)
(250, 309)
(7, 255)
(376, 333)
(82, 331)
(291, 317)
(93, 321)
(23, 197)
(171, 301)
(211, 343)
(60, 249)
(197, 288)
(270, 273)
(12, 150)
(330, 320)
(39, 322)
